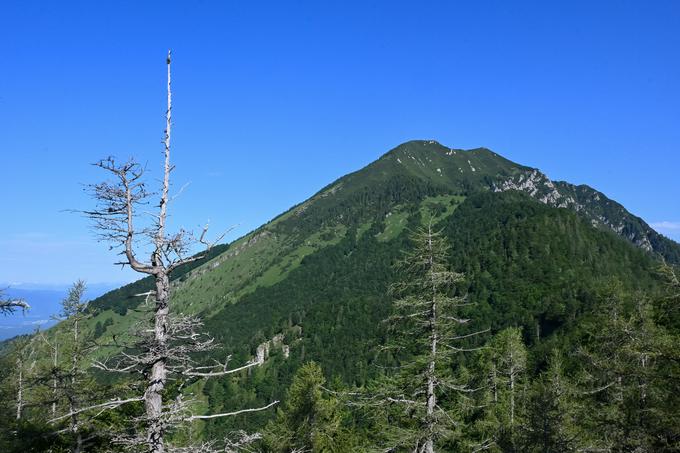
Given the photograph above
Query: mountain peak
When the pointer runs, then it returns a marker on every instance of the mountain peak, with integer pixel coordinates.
(435, 145)
(420, 142)
(443, 165)
(419, 146)
(446, 170)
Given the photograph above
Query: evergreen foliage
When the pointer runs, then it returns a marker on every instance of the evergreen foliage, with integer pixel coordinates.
(499, 406)
(552, 424)
(424, 336)
(311, 419)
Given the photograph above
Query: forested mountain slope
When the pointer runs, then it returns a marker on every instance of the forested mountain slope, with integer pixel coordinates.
(535, 254)
(416, 172)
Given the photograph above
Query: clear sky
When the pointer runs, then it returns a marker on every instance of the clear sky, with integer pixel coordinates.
(273, 100)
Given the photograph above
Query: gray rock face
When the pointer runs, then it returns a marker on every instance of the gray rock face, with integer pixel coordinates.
(589, 203)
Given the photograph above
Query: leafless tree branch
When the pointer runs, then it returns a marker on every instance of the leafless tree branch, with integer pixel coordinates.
(230, 414)
(107, 405)
(8, 305)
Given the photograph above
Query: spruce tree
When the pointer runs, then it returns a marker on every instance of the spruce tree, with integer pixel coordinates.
(551, 424)
(310, 419)
(426, 330)
(630, 365)
(500, 407)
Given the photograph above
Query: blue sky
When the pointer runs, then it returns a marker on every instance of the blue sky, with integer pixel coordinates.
(273, 100)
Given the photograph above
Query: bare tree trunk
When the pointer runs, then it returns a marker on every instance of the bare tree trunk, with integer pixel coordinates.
(77, 448)
(73, 410)
(20, 391)
(54, 346)
(25, 357)
(431, 399)
(431, 396)
(79, 444)
(643, 384)
(512, 392)
(153, 397)
(55, 353)
(74, 359)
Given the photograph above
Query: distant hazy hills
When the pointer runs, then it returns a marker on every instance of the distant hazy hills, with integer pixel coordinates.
(44, 301)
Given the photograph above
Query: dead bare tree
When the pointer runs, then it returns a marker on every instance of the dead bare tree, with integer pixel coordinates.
(122, 219)
(8, 304)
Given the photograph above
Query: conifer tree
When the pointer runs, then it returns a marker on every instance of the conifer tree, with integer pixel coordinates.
(500, 408)
(551, 424)
(311, 418)
(76, 386)
(62, 382)
(630, 368)
(426, 329)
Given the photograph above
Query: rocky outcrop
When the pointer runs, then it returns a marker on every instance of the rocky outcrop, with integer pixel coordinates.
(598, 209)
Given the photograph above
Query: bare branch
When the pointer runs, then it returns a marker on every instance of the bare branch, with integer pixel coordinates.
(460, 337)
(9, 305)
(180, 191)
(457, 349)
(108, 405)
(230, 414)
(224, 371)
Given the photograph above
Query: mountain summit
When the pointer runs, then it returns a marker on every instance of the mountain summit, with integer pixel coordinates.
(482, 169)
(534, 252)
(419, 178)
(455, 171)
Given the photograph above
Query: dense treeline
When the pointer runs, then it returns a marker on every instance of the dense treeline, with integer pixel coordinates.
(615, 389)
